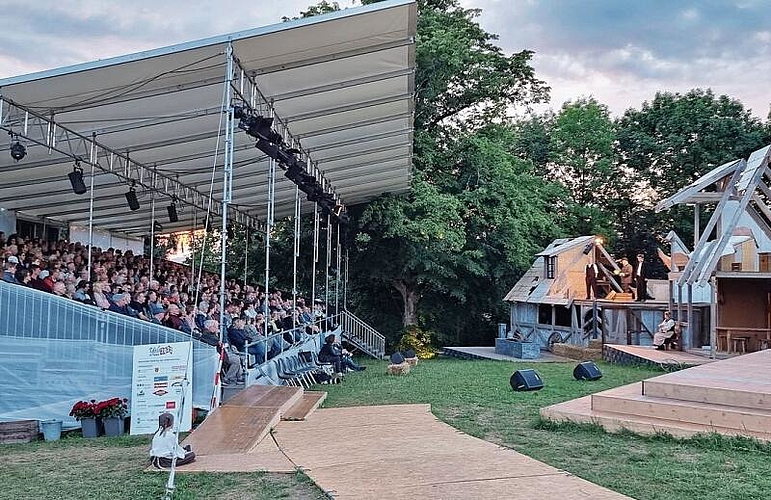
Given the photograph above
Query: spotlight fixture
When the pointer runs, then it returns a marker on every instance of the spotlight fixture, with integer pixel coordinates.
(157, 227)
(131, 197)
(266, 147)
(338, 210)
(230, 233)
(18, 151)
(172, 210)
(76, 178)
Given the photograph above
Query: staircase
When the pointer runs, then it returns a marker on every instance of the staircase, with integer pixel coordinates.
(730, 397)
(361, 335)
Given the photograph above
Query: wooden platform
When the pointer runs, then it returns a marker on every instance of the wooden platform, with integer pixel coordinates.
(730, 397)
(372, 452)
(489, 353)
(240, 424)
(648, 355)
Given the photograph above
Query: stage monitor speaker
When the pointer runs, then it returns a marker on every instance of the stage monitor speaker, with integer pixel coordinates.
(526, 380)
(131, 198)
(587, 370)
(172, 210)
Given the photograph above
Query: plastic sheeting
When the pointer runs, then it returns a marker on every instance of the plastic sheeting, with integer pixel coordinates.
(54, 352)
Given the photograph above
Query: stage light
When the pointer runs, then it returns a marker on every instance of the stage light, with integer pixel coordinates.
(76, 179)
(18, 151)
(157, 227)
(230, 232)
(266, 147)
(131, 197)
(172, 210)
(338, 210)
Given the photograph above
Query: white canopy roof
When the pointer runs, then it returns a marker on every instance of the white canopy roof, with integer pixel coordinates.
(343, 83)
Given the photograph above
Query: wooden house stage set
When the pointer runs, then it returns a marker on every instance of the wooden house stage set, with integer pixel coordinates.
(719, 292)
(728, 274)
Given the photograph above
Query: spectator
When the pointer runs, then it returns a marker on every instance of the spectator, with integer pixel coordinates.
(165, 446)
(332, 352)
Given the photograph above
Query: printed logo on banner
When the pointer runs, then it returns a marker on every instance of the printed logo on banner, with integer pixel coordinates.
(160, 379)
(161, 350)
(170, 405)
(160, 392)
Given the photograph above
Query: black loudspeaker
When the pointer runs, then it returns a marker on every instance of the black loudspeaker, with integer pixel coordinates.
(76, 180)
(172, 210)
(131, 198)
(526, 380)
(587, 371)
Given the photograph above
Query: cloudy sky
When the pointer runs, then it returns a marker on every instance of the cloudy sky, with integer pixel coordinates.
(619, 51)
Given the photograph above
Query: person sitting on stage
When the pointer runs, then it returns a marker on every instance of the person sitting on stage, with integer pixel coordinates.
(332, 352)
(665, 331)
(166, 446)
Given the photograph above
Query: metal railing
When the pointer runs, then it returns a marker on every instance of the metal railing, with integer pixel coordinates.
(55, 351)
(362, 335)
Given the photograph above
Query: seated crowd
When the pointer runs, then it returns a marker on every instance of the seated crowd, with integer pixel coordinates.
(121, 282)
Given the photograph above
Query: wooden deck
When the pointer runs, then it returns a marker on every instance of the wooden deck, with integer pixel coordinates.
(730, 397)
(648, 355)
(404, 452)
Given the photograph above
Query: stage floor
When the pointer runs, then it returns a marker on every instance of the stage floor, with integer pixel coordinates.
(489, 353)
(730, 397)
(652, 355)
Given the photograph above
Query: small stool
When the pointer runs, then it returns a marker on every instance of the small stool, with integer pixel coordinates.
(722, 340)
(739, 344)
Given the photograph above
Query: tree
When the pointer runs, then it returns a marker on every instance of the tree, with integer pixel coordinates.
(436, 243)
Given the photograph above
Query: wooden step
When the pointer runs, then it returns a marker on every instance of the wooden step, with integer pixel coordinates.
(712, 395)
(631, 402)
(307, 405)
(580, 411)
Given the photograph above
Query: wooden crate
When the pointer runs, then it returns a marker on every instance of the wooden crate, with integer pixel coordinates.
(19, 431)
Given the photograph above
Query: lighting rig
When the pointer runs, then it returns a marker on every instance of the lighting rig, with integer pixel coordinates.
(272, 144)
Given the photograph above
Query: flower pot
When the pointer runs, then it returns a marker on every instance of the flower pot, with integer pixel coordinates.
(51, 429)
(90, 427)
(113, 426)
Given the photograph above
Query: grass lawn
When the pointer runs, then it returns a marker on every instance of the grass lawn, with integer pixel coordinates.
(473, 396)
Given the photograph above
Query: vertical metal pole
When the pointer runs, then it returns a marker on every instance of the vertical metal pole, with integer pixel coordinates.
(269, 230)
(680, 310)
(315, 252)
(337, 273)
(345, 282)
(227, 181)
(296, 251)
(91, 210)
(329, 264)
(246, 253)
(152, 229)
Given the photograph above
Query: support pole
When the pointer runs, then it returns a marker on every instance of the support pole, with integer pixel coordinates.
(329, 264)
(152, 235)
(268, 232)
(337, 271)
(246, 253)
(687, 340)
(91, 212)
(227, 182)
(713, 317)
(696, 225)
(345, 281)
(296, 251)
(315, 252)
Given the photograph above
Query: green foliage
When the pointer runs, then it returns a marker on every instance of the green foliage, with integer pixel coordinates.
(322, 7)
(419, 340)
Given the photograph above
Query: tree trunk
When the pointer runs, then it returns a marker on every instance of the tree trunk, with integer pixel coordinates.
(410, 301)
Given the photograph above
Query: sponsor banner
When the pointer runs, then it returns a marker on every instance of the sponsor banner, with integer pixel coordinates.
(158, 383)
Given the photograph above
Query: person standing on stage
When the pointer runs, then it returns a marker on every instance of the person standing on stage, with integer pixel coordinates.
(592, 272)
(626, 275)
(640, 278)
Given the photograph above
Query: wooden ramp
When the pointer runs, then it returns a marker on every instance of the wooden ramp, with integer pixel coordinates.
(373, 452)
(648, 355)
(730, 397)
(307, 405)
(242, 422)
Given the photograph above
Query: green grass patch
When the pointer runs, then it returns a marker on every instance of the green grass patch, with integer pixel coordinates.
(475, 397)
